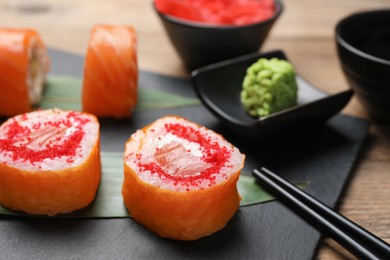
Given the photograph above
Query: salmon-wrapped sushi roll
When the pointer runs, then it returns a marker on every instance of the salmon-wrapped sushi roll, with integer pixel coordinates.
(180, 179)
(111, 72)
(49, 161)
(24, 64)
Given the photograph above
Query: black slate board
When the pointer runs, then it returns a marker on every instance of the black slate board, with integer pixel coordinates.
(323, 155)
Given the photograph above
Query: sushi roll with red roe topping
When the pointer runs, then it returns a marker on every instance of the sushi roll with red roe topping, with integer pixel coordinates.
(180, 179)
(49, 161)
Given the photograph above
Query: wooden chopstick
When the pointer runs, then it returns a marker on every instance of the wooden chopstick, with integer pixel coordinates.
(351, 236)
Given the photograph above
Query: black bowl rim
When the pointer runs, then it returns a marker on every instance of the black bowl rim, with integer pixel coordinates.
(340, 40)
(278, 6)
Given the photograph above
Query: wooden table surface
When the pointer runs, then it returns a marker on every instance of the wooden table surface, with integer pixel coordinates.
(305, 32)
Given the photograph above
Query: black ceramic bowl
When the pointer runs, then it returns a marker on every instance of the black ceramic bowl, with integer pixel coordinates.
(363, 45)
(199, 44)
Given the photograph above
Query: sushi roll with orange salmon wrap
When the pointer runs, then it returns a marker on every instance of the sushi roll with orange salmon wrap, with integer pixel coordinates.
(24, 64)
(49, 161)
(111, 72)
(180, 179)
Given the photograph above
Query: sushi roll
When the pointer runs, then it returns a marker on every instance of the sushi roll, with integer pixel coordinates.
(24, 63)
(111, 72)
(49, 161)
(180, 179)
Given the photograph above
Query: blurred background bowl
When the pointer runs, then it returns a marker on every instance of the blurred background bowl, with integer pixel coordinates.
(200, 44)
(363, 46)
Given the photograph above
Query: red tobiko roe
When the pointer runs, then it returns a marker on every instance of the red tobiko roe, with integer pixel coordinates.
(214, 155)
(48, 147)
(218, 12)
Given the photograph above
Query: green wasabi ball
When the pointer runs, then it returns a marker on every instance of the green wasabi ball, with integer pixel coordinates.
(268, 87)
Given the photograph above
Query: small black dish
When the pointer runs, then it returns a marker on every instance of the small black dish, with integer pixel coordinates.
(218, 86)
